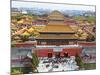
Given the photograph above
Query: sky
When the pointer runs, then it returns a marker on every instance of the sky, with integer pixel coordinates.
(18, 4)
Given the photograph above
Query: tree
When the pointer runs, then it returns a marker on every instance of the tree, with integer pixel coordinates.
(24, 38)
(79, 61)
(90, 38)
(35, 62)
(18, 17)
(30, 64)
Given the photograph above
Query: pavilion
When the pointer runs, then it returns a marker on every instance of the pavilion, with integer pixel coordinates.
(57, 32)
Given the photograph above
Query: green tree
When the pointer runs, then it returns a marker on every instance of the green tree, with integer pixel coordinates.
(79, 61)
(35, 62)
(90, 38)
(32, 65)
(19, 17)
(24, 38)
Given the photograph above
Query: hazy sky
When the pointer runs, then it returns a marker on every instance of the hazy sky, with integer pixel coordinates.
(19, 4)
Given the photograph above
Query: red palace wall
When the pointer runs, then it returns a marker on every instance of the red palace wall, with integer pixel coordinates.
(70, 51)
(43, 52)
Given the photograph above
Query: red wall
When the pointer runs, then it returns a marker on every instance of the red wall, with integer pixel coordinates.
(43, 52)
(70, 51)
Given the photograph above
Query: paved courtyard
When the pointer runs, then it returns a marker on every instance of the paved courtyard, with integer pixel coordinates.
(57, 64)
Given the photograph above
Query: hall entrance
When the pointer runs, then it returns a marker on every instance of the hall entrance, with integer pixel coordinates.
(57, 54)
(50, 55)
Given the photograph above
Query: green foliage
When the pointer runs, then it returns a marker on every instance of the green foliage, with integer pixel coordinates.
(87, 18)
(16, 72)
(13, 17)
(33, 35)
(32, 66)
(79, 61)
(18, 17)
(13, 45)
(91, 18)
(89, 66)
(90, 38)
(35, 61)
(24, 38)
(33, 16)
(79, 17)
(27, 69)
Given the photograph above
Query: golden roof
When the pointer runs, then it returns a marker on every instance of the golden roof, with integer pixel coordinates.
(26, 33)
(56, 15)
(54, 36)
(57, 29)
(20, 22)
(20, 31)
(31, 29)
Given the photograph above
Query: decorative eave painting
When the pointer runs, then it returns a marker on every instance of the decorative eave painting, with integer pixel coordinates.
(52, 37)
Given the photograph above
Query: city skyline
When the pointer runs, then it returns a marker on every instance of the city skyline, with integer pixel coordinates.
(51, 6)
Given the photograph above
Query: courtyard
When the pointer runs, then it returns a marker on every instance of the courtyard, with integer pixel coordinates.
(57, 64)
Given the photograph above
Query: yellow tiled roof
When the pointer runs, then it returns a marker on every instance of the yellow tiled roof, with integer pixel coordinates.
(26, 33)
(57, 28)
(30, 30)
(54, 36)
(20, 22)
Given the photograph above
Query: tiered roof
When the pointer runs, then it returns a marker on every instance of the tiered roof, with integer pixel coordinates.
(57, 29)
(56, 15)
(55, 36)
